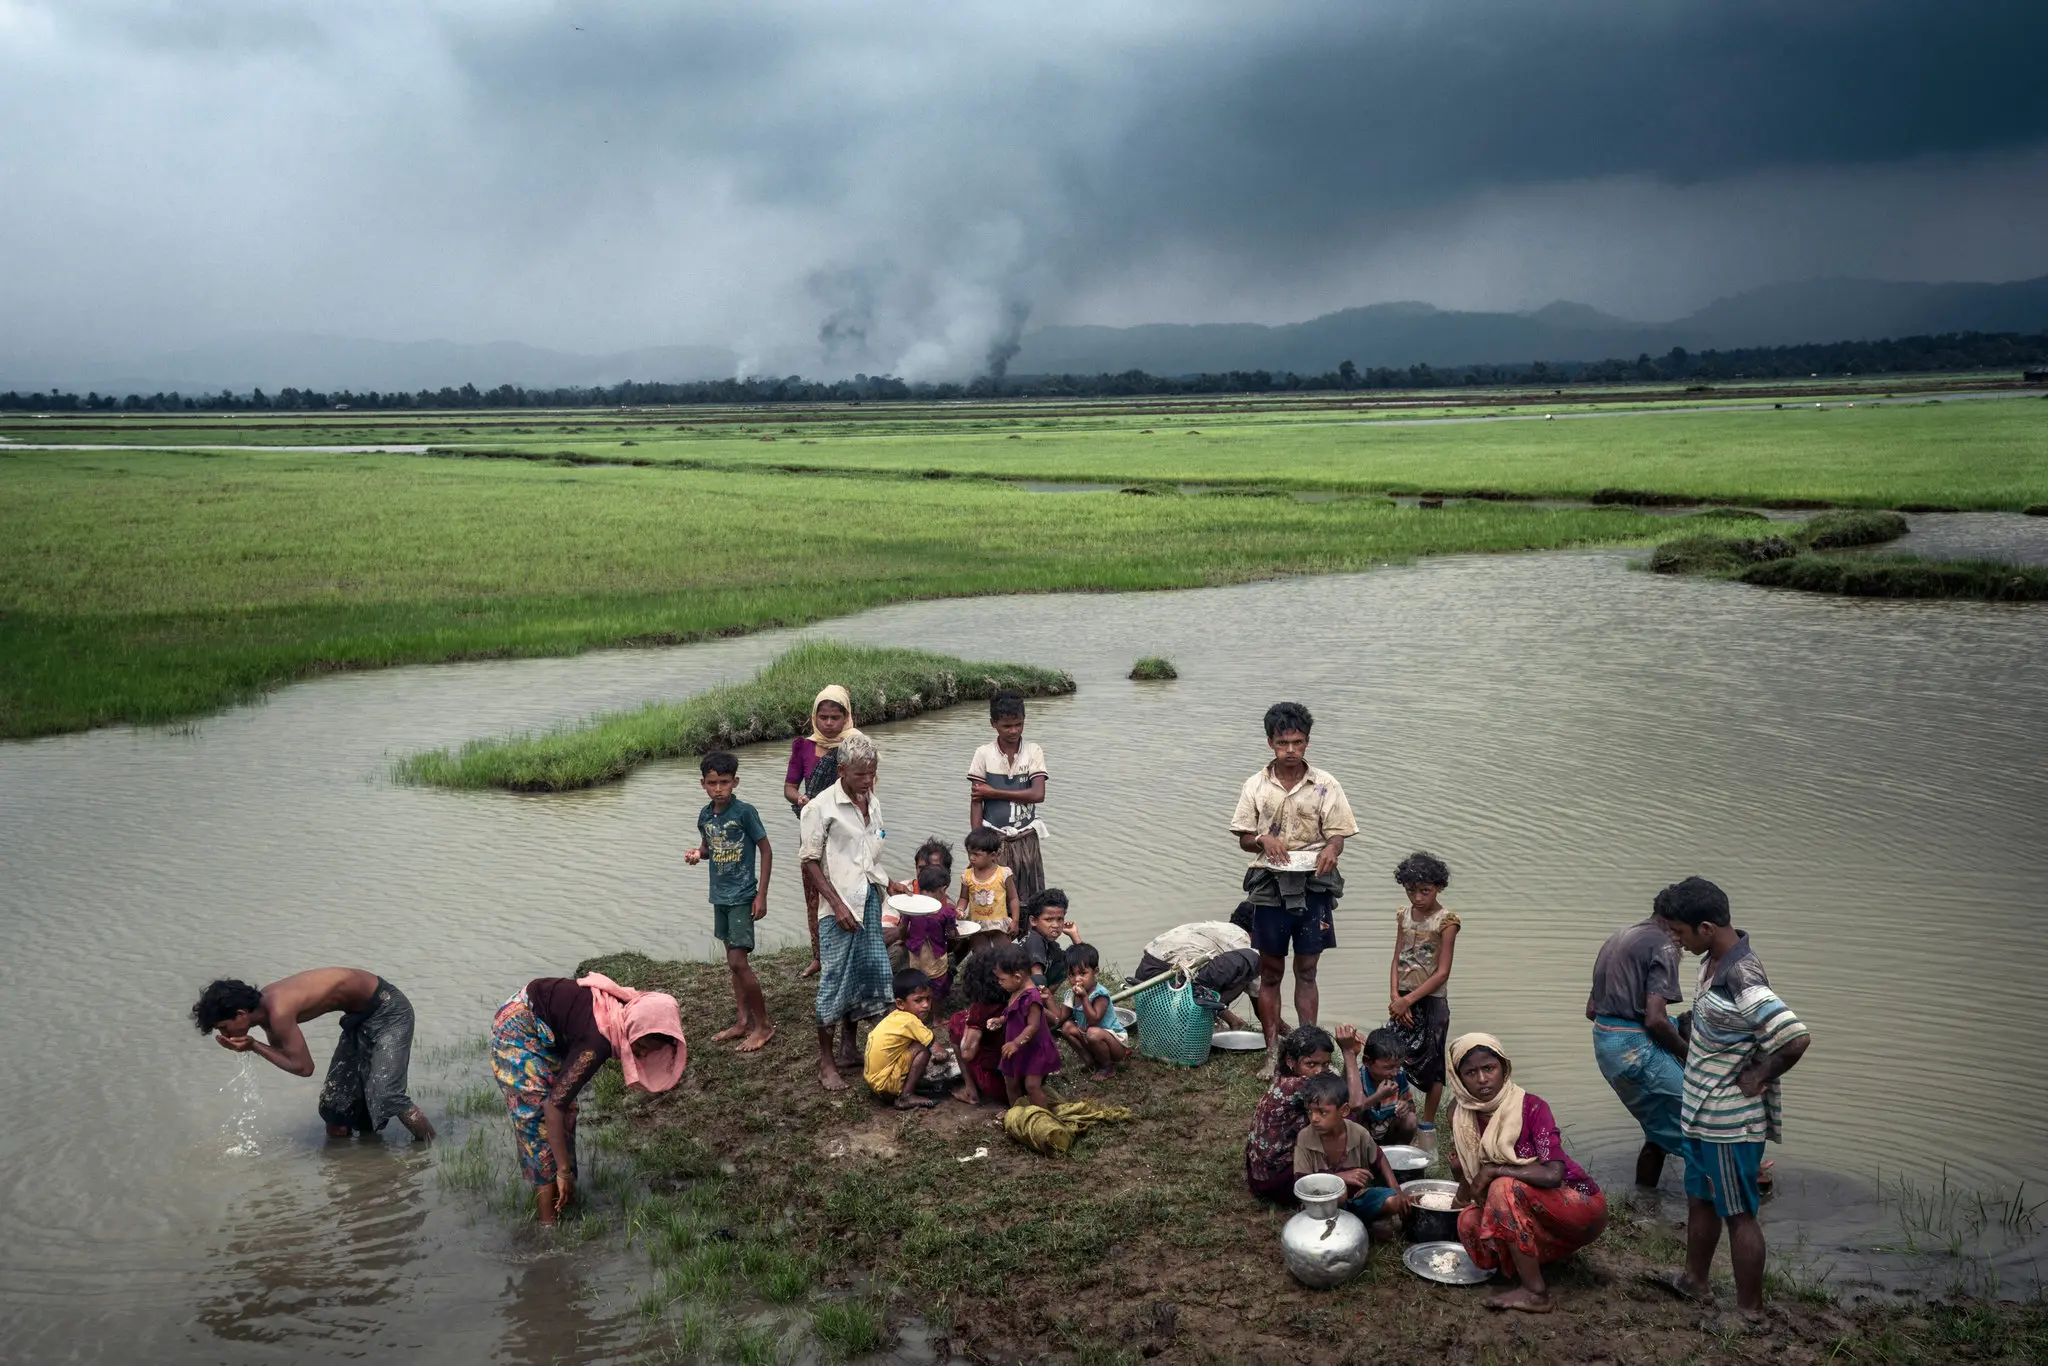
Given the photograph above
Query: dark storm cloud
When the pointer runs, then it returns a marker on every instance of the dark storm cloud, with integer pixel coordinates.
(896, 186)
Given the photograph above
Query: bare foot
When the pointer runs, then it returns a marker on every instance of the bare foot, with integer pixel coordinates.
(1103, 1074)
(1272, 1065)
(415, 1122)
(914, 1103)
(847, 1056)
(828, 1076)
(730, 1032)
(966, 1097)
(811, 971)
(1523, 1299)
(757, 1040)
(339, 1131)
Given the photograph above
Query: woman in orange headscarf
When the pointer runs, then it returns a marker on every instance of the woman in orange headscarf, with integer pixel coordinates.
(546, 1044)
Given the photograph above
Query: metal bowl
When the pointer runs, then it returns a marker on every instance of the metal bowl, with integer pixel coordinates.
(1408, 1162)
(1238, 1040)
(1429, 1225)
(1126, 1016)
(1459, 1270)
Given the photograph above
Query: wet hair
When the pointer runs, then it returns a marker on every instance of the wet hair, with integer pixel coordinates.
(1041, 902)
(978, 980)
(1694, 901)
(1419, 869)
(1008, 958)
(935, 845)
(931, 879)
(1300, 1042)
(1287, 716)
(857, 751)
(1479, 1053)
(982, 841)
(910, 980)
(1326, 1088)
(1083, 956)
(1243, 916)
(1006, 703)
(719, 761)
(223, 1000)
(1385, 1042)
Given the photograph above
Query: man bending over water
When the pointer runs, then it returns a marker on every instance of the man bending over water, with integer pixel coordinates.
(365, 1084)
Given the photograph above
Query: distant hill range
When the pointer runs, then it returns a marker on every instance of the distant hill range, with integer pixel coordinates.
(1403, 334)
(1394, 334)
(310, 361)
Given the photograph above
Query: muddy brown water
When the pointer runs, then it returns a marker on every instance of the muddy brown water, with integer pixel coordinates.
(1866, 779)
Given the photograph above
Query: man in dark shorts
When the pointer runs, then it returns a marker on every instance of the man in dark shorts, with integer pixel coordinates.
(366, 1077)
(1288, 808)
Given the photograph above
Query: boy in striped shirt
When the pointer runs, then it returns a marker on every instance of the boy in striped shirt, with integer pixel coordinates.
(1742, 1038)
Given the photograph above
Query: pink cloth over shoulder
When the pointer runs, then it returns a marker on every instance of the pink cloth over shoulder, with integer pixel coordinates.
(624, 1015)
(1541, 1140)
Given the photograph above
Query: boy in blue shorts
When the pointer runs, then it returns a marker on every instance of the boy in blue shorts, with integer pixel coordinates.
(1288, 809)
(732, 838)
(1741, 1039)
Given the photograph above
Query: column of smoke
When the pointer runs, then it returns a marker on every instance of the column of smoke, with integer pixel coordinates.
(1009, 339)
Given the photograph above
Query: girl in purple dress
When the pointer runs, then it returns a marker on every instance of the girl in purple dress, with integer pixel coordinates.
(1030, 1052)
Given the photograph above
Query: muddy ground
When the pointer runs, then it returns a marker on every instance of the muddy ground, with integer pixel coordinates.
(1142, 1244)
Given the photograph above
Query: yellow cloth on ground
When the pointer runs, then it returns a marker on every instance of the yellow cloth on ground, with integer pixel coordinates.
(890, 1045)
(1053, 1131)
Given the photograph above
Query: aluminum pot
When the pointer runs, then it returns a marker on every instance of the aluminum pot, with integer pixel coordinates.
(1409, 1163)
(1429, 1225)
(1324, 1245)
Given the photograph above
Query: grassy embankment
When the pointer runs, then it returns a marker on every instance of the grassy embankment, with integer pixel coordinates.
(146, 586)
(886, 685)
(1806, 558)
(776, 1215)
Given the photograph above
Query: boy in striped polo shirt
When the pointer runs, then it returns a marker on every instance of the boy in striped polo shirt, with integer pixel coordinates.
(1742, 1038)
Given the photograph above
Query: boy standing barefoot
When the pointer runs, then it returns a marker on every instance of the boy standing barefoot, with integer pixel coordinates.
(732, 837)
(1742, 1039)
(1289, 808)
(1005, 786)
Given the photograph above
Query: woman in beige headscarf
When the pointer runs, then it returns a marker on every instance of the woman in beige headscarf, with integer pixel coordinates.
(1527, 1202)
(813, 767)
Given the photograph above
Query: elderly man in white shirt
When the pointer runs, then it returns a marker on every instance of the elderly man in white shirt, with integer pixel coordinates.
(840, 849)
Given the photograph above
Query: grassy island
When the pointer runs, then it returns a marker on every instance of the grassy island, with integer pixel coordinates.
(886, 685)
(781, 1219)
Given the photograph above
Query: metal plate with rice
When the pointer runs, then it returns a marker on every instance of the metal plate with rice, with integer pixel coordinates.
(1444, 1263)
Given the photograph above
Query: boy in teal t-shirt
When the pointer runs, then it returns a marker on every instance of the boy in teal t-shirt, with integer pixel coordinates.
(731, 837)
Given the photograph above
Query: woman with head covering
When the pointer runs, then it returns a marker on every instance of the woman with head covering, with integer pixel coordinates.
(1529, 1202)
(813, 767)
(546, 1044)
(841, 858)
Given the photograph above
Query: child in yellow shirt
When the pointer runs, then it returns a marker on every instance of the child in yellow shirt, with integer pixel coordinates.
(900, 1048)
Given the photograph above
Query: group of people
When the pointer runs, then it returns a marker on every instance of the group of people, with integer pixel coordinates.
(1703, 1086)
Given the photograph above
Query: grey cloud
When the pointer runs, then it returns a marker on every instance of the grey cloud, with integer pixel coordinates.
(893, 187)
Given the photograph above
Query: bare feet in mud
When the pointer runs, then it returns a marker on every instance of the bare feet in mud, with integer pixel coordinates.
(415, 1122)
(1522, 1299)
(731, 1032)
(914, 1103)
(847, 1056)
(810, 971)
(339, 1131)
(1272, 1065)
(1103, 1074)
(966, 1097)
(757, 1040)
(1736, 1323)
(828, 1076)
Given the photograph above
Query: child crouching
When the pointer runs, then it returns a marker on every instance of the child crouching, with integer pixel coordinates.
(900, 1047)
(1333, 1143)
(977, 1031)
(1091, 1024)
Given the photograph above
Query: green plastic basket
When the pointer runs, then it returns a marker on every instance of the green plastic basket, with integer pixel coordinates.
(1172, 1026)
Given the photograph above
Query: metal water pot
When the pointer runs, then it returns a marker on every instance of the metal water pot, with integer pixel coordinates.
(1325, 1245)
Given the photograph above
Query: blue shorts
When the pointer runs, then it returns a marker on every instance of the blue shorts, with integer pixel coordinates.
(1368, 1202)
(1650, 1082)
(1724, 1173)
(1275, 929)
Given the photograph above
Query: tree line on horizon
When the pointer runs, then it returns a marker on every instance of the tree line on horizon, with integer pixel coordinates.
(1952, 351)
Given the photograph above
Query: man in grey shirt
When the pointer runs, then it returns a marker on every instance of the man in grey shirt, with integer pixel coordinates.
(1639, 1050)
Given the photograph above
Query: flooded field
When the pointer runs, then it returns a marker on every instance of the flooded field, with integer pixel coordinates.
(1867, 779)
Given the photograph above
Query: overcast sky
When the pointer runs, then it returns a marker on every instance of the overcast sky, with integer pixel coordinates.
(887, 186)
